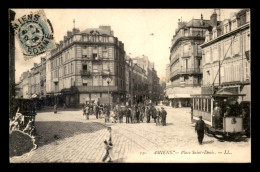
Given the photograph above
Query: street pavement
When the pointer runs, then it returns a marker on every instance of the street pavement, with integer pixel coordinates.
(68, 137)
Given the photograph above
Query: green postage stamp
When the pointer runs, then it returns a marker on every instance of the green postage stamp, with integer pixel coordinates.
(34, 33)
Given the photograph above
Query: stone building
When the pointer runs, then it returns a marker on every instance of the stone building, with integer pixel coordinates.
(77, 70)
(226, 56)
(184, 71)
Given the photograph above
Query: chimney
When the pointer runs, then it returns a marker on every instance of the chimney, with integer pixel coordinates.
(35, 64)
(201, 20)
(106, 29)
(213, 19)
(65, 38)
(69, 33)
(61, 42)
(75, 31)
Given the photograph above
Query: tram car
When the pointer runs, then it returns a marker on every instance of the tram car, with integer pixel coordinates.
(231, 125)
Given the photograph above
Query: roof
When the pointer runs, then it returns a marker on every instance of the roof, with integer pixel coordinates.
(197, 23)
(96, 30)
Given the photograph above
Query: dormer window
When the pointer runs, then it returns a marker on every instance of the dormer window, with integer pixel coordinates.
(214, 33)
(234, 24)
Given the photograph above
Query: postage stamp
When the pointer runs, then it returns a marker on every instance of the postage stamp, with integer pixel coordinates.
(34, 33)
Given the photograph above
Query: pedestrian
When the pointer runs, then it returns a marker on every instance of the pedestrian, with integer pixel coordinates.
(199, 128)
(148, 114)
(163, 115)
(120, 114)
(133, 114)
(137, 114)
(142, 113)
(55, 108)
(108, 145)
(158, 117)
(84, 109)
(64, 105)
(87, 112)
(128, 115)
(154, 114)
(217, 116)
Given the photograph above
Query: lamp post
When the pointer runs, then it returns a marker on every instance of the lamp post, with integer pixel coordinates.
(108, 82)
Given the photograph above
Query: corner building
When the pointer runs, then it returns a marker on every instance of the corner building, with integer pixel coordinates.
(77, 70)
(184, 73)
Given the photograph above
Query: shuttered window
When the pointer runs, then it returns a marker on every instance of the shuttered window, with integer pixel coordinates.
(227, 50)
(95, 80)
(215, 53)
(84, 51)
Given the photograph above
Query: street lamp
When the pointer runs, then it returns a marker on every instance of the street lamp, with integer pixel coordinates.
(108, 82)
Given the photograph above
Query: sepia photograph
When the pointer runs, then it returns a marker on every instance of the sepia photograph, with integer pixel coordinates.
(139, 85)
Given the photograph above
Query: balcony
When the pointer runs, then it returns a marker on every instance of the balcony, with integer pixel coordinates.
(85, 73)
(186, 36)
(187, 71)
(97, 88)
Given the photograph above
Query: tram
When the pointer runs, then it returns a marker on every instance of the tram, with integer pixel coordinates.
(232, 124)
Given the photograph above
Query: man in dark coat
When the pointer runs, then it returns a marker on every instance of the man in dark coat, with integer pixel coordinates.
(148, 114)
(199, 128)
(163, 115)
(128, 115)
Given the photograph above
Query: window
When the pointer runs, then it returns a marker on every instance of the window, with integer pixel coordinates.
(227, 48)
(234, 24)
(215, 53)
(236, 46)
(220, 52)
(186, 50)
(226, 28)
(94, 56)
(222, 74)
(71, 67)
(95, 68)
(209, 105)
(85, 67)
(95, 81)
(84, 51)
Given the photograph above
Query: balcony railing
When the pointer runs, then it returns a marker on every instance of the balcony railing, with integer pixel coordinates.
(97, 88)
(186, 71)
(85, 73)
(178, 36)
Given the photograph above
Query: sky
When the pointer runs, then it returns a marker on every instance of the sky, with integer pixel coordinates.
(134, 27)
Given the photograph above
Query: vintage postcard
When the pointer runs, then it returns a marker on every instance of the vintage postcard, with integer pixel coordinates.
(129, 86)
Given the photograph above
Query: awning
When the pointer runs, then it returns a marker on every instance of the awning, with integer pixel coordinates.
(179, 96)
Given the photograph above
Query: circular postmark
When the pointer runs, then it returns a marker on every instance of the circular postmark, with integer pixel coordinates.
(31, 34)
(35, 34)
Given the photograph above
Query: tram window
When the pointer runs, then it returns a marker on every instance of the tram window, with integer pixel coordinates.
(201, 104)
(204, 104)
(209, 107)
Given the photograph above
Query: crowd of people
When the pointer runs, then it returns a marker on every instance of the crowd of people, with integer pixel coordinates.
(137, 113)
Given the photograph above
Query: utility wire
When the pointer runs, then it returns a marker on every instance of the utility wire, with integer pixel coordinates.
(152, 34)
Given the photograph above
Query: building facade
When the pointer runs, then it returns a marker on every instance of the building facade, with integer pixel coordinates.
(185, 70)
(226, 56)
(79, 67)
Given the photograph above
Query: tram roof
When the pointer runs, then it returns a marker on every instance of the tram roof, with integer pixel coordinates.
(217, 95)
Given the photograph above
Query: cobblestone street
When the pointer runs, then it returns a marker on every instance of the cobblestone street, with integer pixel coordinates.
(69, 137)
